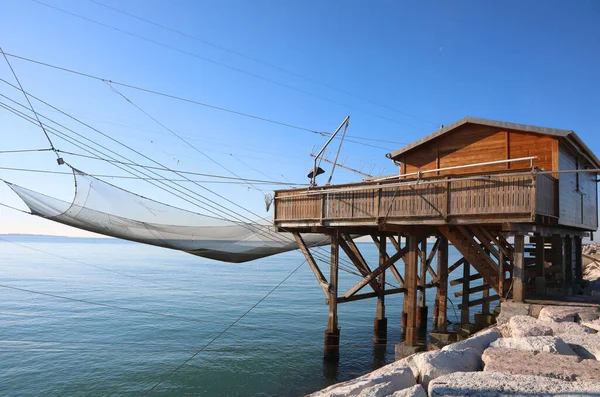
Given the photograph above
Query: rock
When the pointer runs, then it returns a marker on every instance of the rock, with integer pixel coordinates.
(539, 344)
(516, 362)
(521, 326)
(494, 384)
(559, 329)
(511, 309)
(415, 391)
(585, 345)
(379, 390)
(593, 324)
(441, 362)
(568, 314)
(480, 341)
(396, 376)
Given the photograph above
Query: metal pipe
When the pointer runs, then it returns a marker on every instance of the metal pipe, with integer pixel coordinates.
(530, 158)
(421, 182)
(312, 180)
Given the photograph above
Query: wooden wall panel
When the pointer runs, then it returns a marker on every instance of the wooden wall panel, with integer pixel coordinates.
(578, 193)
(473, 144)
(522, 144)
(470, 144)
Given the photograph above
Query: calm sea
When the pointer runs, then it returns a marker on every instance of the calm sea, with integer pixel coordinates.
(103, 317)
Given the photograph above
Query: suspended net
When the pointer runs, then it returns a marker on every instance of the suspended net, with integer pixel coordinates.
(103, 208)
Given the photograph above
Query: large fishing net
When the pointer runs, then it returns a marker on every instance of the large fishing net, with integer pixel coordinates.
(103, 208)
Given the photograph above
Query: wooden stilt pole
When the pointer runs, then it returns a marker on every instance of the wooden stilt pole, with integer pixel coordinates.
(569, 264)
(578, 261)
(422, 310)
(380, 323)
(410, 297)
(558, 257)
(540, 265)
(332, 334)
(502, 275)
(465, 317)
(519, 269)
(442, 289)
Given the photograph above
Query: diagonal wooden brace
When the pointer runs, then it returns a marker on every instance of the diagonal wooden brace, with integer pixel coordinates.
(312, 263)
(362, 266)
(358, 286)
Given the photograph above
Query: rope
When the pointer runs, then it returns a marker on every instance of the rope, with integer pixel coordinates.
(14, 208)
(189, 36)
(195, 102)
(29, 102)
(24, 151)
(224, 331)
(141, 178)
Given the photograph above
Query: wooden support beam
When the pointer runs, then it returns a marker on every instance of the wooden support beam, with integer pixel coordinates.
(422, 310)
(359, 263)
(333, 283)
(369, 295)
(479, 288)
(477, 231)
(558, 255)
(442, 290)
(410, 297)
(366, 280)
(569, 261)
(502, 274)
(519, 269)
(312, 263)
(468, 234)
(332, 333)
(461, 280)
(485, 305)
(464, 311)
(578, 260)
(434, 250)
(380, 314)
(456, 265)
(393, 268)
(501, 247)
(540, 265)
(480, 301)
(422, 272)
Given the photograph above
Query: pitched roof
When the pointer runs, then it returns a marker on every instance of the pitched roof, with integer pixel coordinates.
(498, 124)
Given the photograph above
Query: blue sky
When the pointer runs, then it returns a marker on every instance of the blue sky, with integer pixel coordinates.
(399, 69)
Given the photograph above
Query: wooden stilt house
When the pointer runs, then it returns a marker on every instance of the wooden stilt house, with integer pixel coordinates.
(482, 186)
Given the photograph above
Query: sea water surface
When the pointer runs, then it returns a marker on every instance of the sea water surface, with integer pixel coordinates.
(105, 317)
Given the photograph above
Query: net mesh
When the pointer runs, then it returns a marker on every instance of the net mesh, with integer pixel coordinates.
(103, 208)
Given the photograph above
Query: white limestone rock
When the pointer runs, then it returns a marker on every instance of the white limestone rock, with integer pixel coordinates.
(479, 341)
(522, 326)
(585, 345)
(434, 364)
(397, 376)
(593, 324)
(568, 314)
(515, 362)
(494, 384)
(415, 391)
(559, 329)
(379, 390)
(539, 344)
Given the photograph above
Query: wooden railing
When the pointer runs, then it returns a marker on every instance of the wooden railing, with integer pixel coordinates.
(520, 194)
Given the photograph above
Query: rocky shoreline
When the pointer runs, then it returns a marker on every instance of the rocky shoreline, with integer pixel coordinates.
(554, 354)
(550, 350)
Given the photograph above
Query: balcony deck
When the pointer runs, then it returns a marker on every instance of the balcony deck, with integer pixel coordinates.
(518, 196)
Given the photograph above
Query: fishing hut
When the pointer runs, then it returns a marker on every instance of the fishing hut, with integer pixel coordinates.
(514, 200)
